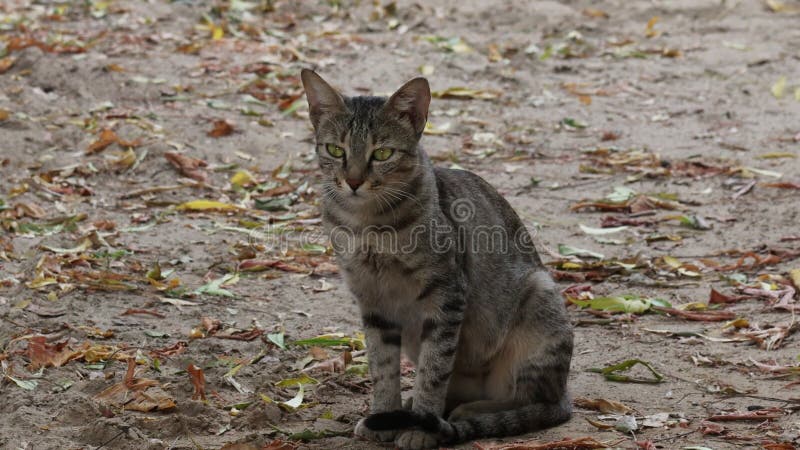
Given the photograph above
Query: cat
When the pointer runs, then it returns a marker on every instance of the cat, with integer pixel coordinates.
(441, 267)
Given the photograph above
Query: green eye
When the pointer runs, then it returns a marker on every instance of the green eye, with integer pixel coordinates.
(382, 154)
(334, 150)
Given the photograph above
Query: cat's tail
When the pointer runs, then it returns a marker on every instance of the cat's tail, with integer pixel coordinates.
(527, 418)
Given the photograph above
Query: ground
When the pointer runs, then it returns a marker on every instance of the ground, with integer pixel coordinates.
(120, 121)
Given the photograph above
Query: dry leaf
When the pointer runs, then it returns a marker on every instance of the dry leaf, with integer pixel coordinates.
(188, 166)
(107, 137)
(584, 443)
(198, 381)
(6, 63)
(42, 354)
(596, 13)
(221, 128)
(137, 394)
(650, 29)
(206, 205)
(602, 405)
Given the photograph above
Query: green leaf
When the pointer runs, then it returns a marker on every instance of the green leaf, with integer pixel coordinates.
(573, 123)
(611, 373)
(358, 369)
(623, 303)
(156, 334)
(28, 385)
(601, 231)
(301, 380)
(621, 194)
(274, 204)
(779, 88)
(316, 249)
(310, 435)
(294, 106)
(296, 401)
(566, 250)
(214, 287)
(694, 222)
(277, 339)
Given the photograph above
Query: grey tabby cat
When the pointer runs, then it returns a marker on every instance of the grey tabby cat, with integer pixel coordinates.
(442, 268)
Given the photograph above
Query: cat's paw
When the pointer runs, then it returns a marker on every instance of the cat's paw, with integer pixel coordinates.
(375, 435)
(417, 440)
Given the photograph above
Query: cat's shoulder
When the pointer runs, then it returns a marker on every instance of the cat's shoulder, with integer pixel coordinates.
(460, 181)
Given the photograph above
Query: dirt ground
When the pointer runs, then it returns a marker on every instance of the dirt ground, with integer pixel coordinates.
(119, 118)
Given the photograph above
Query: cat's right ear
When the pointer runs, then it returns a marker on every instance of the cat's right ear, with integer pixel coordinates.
(322, 98)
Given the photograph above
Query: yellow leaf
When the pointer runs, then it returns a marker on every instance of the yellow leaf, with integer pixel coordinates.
(794, 274)
(694, 306)
(741, 322)
(797, 94)
(242, 178)
(779, 87)
(672, 262)
(781, 7)
(217, 32)
(649, 30)
(776, 155)
(466, 93)
(206, 205)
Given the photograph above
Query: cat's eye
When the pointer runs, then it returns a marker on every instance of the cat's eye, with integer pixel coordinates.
(382, 154)
(334, 150)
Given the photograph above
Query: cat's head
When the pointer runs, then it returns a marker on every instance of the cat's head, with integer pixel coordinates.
(367, 146)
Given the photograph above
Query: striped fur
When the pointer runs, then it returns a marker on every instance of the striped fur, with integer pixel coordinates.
(443, 270)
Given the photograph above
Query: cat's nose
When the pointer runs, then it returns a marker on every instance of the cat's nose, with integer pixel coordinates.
(354, 183)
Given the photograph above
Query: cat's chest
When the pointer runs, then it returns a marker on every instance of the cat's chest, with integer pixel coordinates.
(378, 276)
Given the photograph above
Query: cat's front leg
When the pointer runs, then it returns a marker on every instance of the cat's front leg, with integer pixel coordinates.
(439, 342)
(383, 352)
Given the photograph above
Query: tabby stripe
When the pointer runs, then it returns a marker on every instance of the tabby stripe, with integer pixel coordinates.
(372, 320)
(391, 339)
(449, 351)
(434, 283)
(448, 334)
(427, 327)
(455, 305)
(441, 379)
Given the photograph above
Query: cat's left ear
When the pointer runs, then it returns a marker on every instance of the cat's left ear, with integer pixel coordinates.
(411, 101)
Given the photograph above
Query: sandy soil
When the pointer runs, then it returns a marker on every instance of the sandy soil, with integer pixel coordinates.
(575, 99)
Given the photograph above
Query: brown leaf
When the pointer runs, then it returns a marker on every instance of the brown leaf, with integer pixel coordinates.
(337, 364)
(584, 443)
(29, 210)
(595, 13)
(760, 415)
(211, 325)
(107, 137)
(43, 354)
(4, 115)
(188, 166)
(784, 185)
(6, 63)
(136, 394)
(221, 128)
(132, 311)
(703, 316)
(198, 381)
(240, 335)
(318, 353)
(712, 428)
(278, 444)
(174, 349)
(602, 405)
(717, 297)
